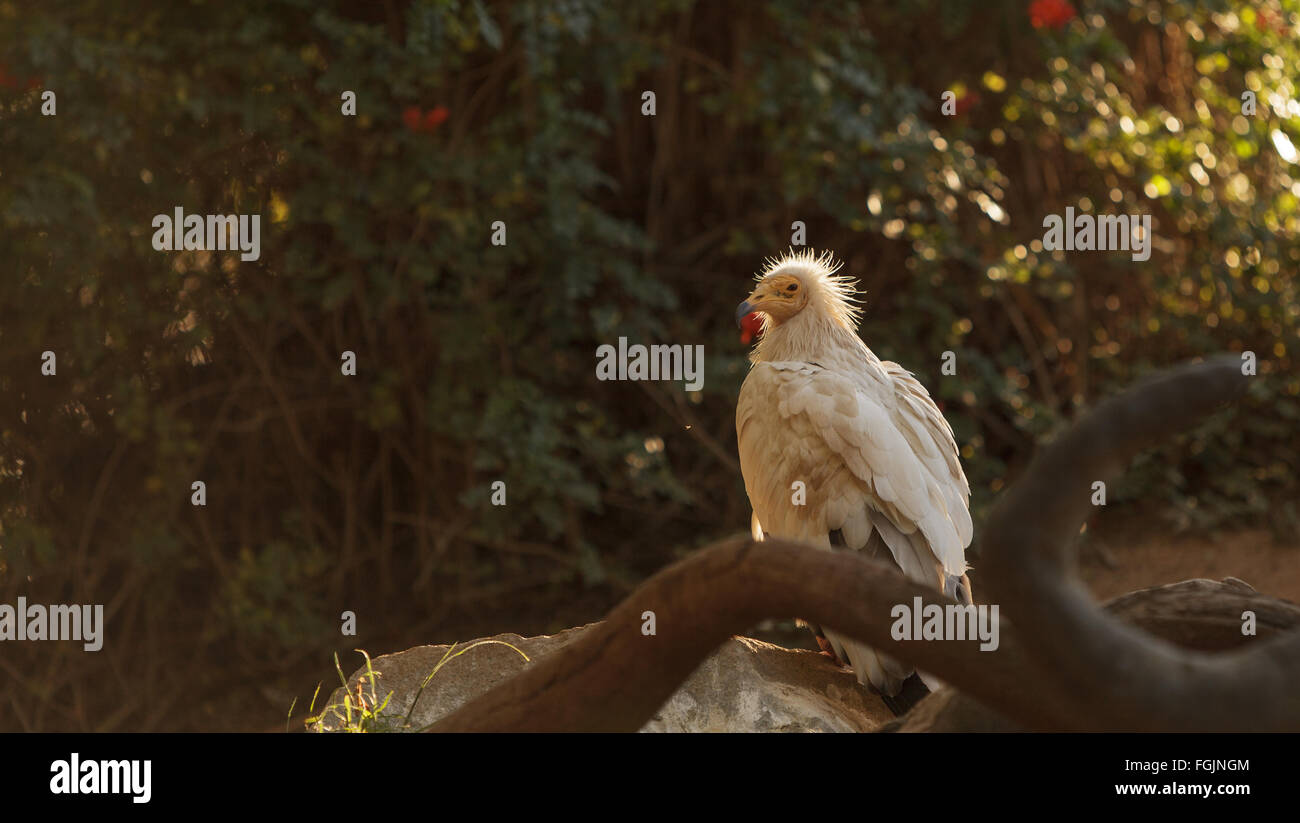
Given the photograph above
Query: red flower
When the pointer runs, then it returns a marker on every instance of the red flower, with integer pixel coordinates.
(434, 117)
(1053, 13)
(429, 121)
(1266, 20)
(963, 103)
(751, 328)
(13, 81)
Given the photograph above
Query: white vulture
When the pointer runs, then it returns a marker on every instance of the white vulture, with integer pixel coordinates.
(877, 460)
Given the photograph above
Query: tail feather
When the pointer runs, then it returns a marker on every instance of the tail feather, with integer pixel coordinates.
(914, 690)
(898, 684)
(878, 671)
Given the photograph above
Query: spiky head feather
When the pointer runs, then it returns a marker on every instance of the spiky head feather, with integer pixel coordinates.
(834, 294)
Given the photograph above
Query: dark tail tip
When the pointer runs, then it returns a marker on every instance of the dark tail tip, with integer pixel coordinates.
(913, 691)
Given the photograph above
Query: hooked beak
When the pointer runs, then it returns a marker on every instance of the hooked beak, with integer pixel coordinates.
(742, 311)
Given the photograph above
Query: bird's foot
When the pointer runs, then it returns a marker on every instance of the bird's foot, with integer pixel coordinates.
(828, 650)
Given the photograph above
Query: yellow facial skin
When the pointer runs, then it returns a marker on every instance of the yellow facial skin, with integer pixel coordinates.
(780, 297)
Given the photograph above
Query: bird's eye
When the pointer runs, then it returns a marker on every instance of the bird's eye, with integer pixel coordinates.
(792, 287)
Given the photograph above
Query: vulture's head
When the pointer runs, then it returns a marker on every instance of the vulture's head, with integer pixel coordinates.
(802, 282)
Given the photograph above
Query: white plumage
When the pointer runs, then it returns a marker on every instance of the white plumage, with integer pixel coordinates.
(877, 459)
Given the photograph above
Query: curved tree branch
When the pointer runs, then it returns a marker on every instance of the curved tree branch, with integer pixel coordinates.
(1088, 655)
(1068, 666)
(1195, 614)
(615, 677)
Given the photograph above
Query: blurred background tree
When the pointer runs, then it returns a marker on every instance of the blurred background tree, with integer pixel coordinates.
(476, 362)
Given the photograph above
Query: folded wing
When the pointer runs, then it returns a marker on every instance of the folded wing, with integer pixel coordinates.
(875, 458)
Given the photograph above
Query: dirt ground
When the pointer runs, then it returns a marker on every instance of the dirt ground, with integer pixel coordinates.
(1111, 566)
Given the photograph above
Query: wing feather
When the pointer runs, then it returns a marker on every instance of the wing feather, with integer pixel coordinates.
(862, 461)
(878, 462)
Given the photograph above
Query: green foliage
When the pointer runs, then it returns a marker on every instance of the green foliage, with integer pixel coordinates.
(476, 362)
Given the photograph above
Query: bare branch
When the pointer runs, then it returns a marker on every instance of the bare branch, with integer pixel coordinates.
(614, 678)
(1066, 668)
(1194, 614)
(1089, 656)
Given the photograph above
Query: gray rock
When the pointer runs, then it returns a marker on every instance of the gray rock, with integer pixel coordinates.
(746, 685)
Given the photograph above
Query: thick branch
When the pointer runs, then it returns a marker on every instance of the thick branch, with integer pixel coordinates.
(1194, 614)
(615, 678)
(1090, 657)
(1073, 667)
